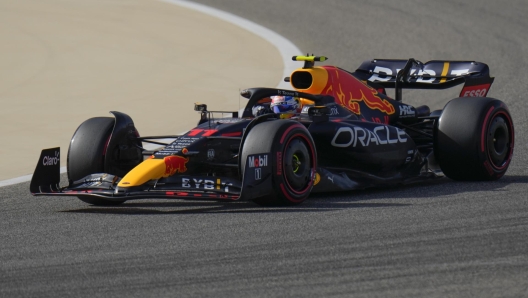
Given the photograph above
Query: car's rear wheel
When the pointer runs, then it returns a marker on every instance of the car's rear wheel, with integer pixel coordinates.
(86, 153)
(474, 139)
(292, 156)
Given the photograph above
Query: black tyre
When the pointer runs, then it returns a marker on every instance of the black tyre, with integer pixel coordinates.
(474, 139)
(293, 159)
(86, 153)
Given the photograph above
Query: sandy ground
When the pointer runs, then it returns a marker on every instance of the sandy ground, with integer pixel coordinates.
(62, 62)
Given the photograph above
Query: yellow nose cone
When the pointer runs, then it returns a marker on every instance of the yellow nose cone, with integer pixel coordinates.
(149, 169)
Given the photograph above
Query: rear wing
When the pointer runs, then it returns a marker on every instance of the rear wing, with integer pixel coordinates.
(413, 74)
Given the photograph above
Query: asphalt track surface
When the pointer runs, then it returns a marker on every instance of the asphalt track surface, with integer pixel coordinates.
(441, 239)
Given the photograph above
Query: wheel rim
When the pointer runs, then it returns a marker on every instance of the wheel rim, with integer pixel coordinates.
(498, 141)
(297, 165)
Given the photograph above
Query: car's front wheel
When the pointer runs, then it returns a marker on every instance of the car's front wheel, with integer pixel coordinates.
(87, 151)
(292, 156)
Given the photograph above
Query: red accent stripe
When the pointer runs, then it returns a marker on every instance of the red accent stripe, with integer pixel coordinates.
(313, 162)
(488, 168)
(512, 142)
(106, 145)
(194, 132)
(485, 128)
(290, 198)
(288, 130)
(232, 134)
(314, 166)
(209, 132)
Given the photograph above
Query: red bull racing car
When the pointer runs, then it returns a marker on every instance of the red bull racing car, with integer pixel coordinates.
(349, 135)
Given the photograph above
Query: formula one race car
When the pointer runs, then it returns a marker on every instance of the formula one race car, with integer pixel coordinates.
(348, 135)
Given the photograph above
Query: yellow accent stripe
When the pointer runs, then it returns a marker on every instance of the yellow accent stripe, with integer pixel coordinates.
(444, 72)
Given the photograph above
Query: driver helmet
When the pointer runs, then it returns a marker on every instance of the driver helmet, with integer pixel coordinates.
(285, 104)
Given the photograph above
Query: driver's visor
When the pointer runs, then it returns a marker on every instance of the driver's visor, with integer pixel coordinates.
(283, 108)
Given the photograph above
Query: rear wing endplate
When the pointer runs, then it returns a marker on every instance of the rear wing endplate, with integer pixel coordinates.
(436, 74)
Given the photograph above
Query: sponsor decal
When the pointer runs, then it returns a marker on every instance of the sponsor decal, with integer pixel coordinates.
(459, 72)
(175, 164)
(358, 136)
(287, 93)
(256, 161)
(178, 145)
(381, 74)
(475, 91)
(317, 178)
(51, 160)
(333, 111)
(407, 111)
(385, 74)
(210, 154)
(258, 173)
(205, 184)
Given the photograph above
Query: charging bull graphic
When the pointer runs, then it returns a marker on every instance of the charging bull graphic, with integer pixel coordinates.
(349, 91)
(175, 164)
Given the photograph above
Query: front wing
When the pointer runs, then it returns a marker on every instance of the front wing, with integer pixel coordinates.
(46, 182)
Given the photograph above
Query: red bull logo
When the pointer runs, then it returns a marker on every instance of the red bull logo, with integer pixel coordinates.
(175, 164)
(349, 91)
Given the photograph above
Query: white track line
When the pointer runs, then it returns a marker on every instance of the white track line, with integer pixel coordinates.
(23, 179)
(286, 49)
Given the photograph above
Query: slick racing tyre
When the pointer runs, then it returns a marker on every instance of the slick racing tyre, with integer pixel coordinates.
(86, 153)
(474, 139)
(292, 157)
